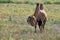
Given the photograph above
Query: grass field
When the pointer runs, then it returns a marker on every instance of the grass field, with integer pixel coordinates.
(13, 25)
(31, 1)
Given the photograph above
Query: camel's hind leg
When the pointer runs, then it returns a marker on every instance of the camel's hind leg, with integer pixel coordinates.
(44, 22)
(39, 24)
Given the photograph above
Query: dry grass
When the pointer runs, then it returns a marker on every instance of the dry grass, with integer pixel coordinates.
(13, 25)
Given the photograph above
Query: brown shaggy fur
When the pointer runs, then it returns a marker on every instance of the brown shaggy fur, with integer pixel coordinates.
(39, 17)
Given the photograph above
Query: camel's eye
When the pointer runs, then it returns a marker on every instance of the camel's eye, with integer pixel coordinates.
(29, 19)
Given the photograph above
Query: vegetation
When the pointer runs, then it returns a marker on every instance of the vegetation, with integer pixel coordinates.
(13, 23)
(31, 1)
(14, 26)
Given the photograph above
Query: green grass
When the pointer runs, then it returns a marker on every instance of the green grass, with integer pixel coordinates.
(14, 26)
(31, 1)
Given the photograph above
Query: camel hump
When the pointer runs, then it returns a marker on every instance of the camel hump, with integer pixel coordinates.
(42, 11)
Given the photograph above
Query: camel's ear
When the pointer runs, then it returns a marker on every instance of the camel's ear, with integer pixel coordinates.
(34, 17)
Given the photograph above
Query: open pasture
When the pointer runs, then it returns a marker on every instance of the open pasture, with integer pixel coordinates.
(14, 26)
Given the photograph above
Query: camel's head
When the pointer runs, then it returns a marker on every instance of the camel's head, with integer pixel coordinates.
(31, 20)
